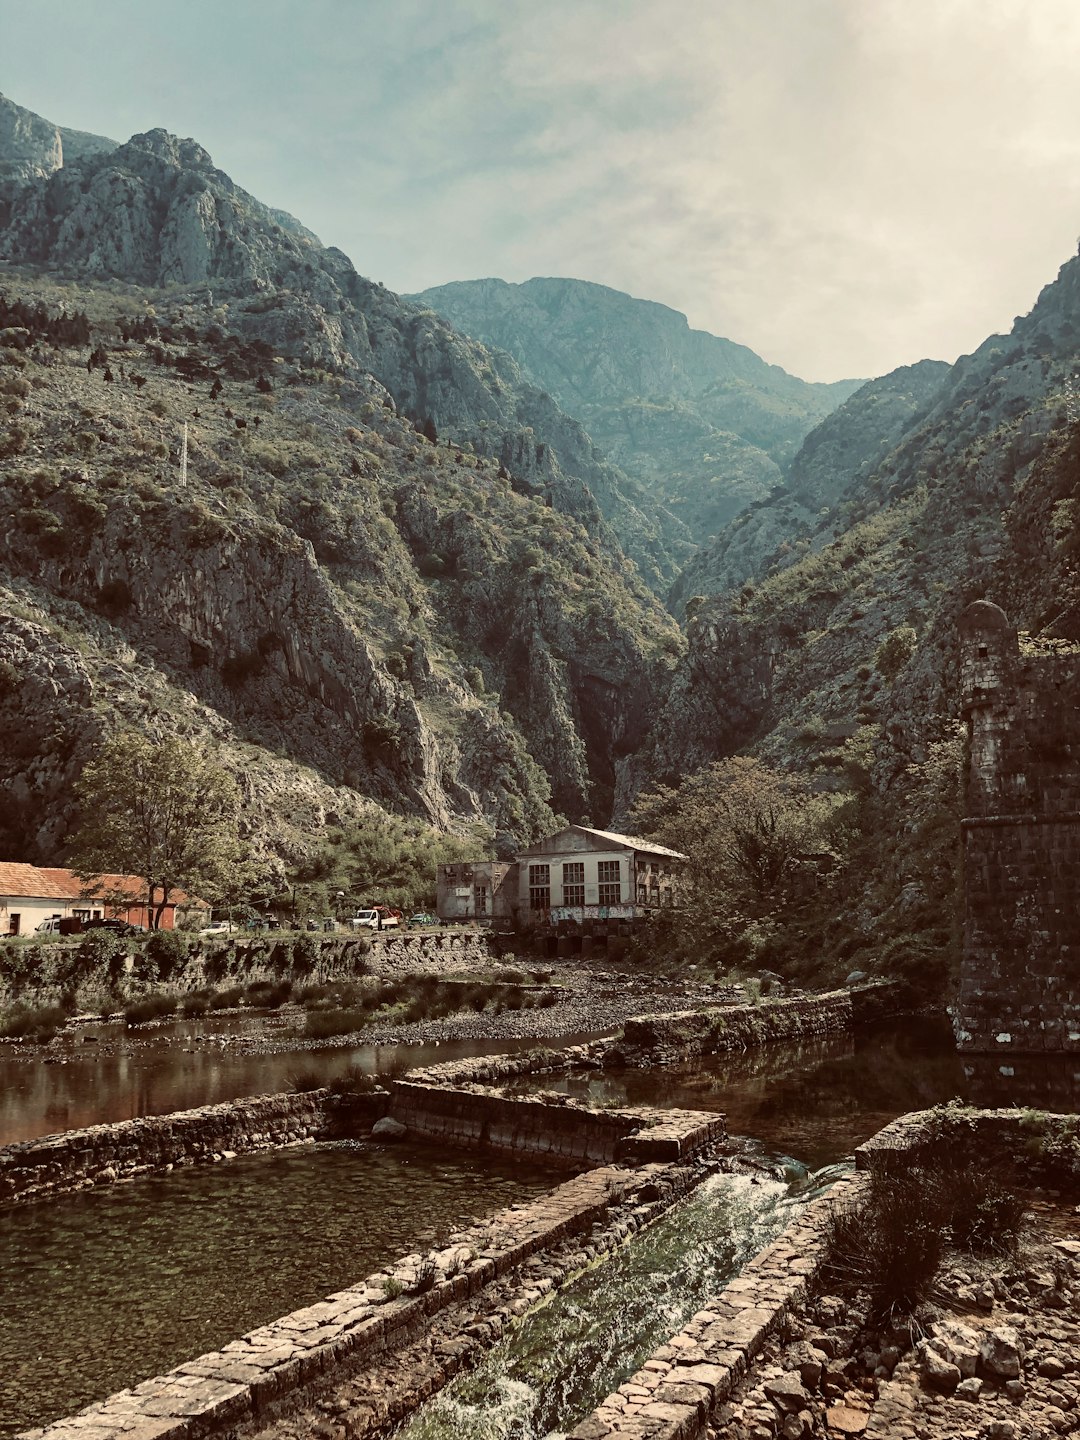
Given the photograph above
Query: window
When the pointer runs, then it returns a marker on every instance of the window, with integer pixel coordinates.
(481, 899)
(13, 924)
(539, 887)
(573, 883)
(610, 882)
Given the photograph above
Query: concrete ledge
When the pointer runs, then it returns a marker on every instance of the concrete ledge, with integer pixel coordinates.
(1003, 1139)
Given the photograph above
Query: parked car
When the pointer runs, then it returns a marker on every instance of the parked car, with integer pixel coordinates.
(49, 927)
(218, 927)
(365, 920)
(117, 926)
(422, 918)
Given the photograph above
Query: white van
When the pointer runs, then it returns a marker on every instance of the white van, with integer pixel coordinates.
(48, 927)
(365, 920)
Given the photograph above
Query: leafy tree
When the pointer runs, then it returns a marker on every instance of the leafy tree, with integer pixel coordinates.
(743, 827)
(165, 811)
(895, 651)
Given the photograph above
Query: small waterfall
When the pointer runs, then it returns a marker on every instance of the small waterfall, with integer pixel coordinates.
(553, 1369)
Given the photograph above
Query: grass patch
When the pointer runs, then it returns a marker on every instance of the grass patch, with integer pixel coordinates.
(268, 994)
(891, 1250)
(323, 1024)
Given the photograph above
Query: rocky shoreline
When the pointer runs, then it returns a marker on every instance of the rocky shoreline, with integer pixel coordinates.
(995, 1356)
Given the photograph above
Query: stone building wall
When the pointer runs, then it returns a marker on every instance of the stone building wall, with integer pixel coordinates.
(1020, 975)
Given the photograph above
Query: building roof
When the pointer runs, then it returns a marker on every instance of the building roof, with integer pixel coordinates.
(33, 882)
(29, 883)
(632, 842)
(609, 839)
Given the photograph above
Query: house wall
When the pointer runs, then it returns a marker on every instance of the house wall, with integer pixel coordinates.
(484, 891)
(31, 912)
(1020, 973)
(569, 853)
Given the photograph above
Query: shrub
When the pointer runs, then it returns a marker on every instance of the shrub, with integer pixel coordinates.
(982, 1214)
(153, 1007)
(37, 1023)
(305, 954)
(195, 1005)
(511, 976)
(169, 951)
(304, 1081)
(355, 1081)
(322, 1024)
(891, 1249)
(267, 994)
(228, 999)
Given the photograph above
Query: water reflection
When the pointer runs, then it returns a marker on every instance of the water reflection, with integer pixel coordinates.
(103, 1073)
(818, 1099)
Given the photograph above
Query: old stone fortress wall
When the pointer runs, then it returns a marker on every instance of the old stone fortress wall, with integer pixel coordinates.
(1020, 980)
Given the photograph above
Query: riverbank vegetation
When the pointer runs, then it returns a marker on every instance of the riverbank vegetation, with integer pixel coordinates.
(814, 875)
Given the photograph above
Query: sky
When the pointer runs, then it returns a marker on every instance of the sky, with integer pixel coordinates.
(843, 185)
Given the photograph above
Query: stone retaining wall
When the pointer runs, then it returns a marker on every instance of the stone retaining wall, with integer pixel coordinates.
(653, 1039)
(674, 1394)
(104, 1154)
(245, 1383)
(1007, 1140)
(223, 961)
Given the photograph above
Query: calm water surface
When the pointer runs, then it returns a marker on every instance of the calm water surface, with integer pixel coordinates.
(818, 1099)
(103, 1073)
(101, 1290)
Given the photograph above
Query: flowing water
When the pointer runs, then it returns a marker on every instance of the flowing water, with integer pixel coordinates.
(103, 1289)
(550, 1371)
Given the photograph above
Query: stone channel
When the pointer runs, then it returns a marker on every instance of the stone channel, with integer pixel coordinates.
(452, 1301)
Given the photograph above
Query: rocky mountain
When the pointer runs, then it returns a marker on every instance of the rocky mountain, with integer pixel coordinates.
(156, 211)
(963, 489)
(394, 573)
(704, 424)
(835, 457)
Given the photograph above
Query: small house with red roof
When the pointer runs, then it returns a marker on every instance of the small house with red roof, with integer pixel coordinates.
(30, 894)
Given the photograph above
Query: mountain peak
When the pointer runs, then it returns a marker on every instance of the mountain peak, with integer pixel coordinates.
(183, 154)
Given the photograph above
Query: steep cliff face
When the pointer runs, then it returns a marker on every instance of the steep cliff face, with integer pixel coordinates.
(964, 490)
(705, 424)
(843, 450)
(157, 211)
(401, 616)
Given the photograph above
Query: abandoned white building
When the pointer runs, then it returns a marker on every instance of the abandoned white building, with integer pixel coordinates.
(576, 876)
(581, 874)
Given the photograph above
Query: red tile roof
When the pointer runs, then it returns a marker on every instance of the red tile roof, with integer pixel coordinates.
(33, 882)
(28, 882)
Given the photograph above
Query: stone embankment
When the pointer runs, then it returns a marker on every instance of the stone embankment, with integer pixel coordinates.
(661, 1039)
(994, 1355)
(245, 1386)
(105, 1154)
(220, 961)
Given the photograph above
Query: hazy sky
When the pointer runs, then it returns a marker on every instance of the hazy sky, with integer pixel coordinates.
(844, 185)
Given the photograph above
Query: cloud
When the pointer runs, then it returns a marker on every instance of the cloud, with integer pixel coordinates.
(844, 186)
